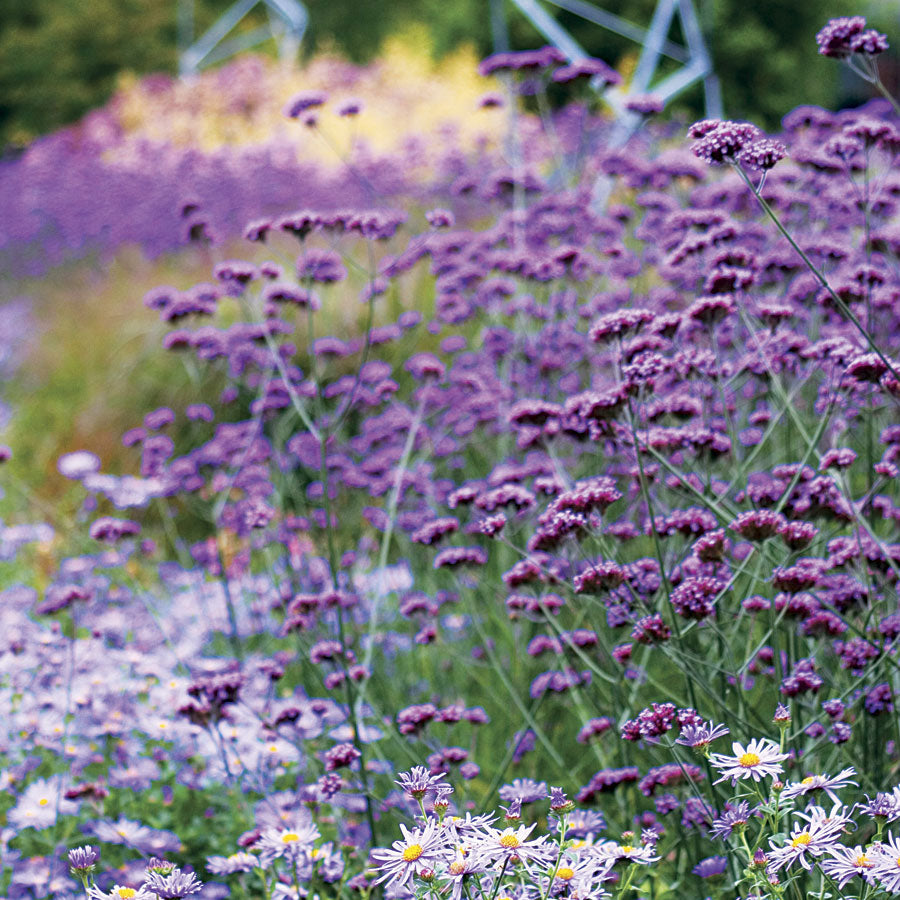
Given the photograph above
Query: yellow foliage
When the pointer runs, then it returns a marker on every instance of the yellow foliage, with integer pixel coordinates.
(406, 96)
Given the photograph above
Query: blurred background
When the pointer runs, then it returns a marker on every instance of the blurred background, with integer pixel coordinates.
(121, 169)
(61, 58)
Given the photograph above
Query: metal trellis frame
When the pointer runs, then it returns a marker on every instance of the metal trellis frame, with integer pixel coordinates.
(696, 64)
(287, 23)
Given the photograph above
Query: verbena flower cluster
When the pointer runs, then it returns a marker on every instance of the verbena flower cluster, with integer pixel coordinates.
(473, 496)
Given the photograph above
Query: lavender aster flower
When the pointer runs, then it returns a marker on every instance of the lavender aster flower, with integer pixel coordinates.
(844, 863)
(698, 737)
(524, 790)
(229, 865)
(884, 806)
(710, 867)
(418, 781)
(83, 859)
(806, 842)
(174, 884)
(820, 783)
(420, 849)
(886, 863)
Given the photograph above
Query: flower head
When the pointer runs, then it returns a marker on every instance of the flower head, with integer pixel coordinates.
(120, 892)
(171, 883)
(820, 783)
(83, 859)
(807, 841)
(418, 781)
(844, 863)
(420, 849)
(761, 757)
(699, 737)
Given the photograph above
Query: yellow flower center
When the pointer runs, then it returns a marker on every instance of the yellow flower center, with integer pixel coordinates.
(457, 868)
(898, 862)
(126, 893)
(748, 760)
(808, 781)
(290, 838)
(43, 801)
(626, 849)
(510, 841)
(801, 840)
(412, 852)
(862, 861)
(565, 873)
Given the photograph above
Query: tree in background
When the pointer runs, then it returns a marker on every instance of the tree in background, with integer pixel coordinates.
(60, 58)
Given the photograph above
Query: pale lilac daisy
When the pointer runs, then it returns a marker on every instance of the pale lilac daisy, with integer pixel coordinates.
(804, 844)
(642, 854)
(820, 783)
(761, 757)
(120, 892)
(38, 805)
(172, 884)
(699, 737)
(843, 863)
(420, 849)
(292, 843)
(885, 857)
(229, 865)
(513, 844)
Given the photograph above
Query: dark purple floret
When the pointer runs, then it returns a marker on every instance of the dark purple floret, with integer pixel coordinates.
(869, 42)
(651, 630)
(645, 104)
(723, 141)
(762, 155)
(835, 38)
(595, 69)
(879, 700)
(758, 525)
(110, 529)
(436, 530)
(668, 774)
(522, 60)
(414, 718)
(460, 556)
(303, 102)
(710, 867)
(695, 598)
(341, 756)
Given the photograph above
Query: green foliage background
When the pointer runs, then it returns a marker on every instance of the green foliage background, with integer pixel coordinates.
(60, 58)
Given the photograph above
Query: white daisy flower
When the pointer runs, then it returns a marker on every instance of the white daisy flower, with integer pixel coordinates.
(761, 757)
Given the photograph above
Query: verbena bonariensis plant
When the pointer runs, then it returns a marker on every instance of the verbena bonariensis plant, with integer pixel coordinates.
(633, 471)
